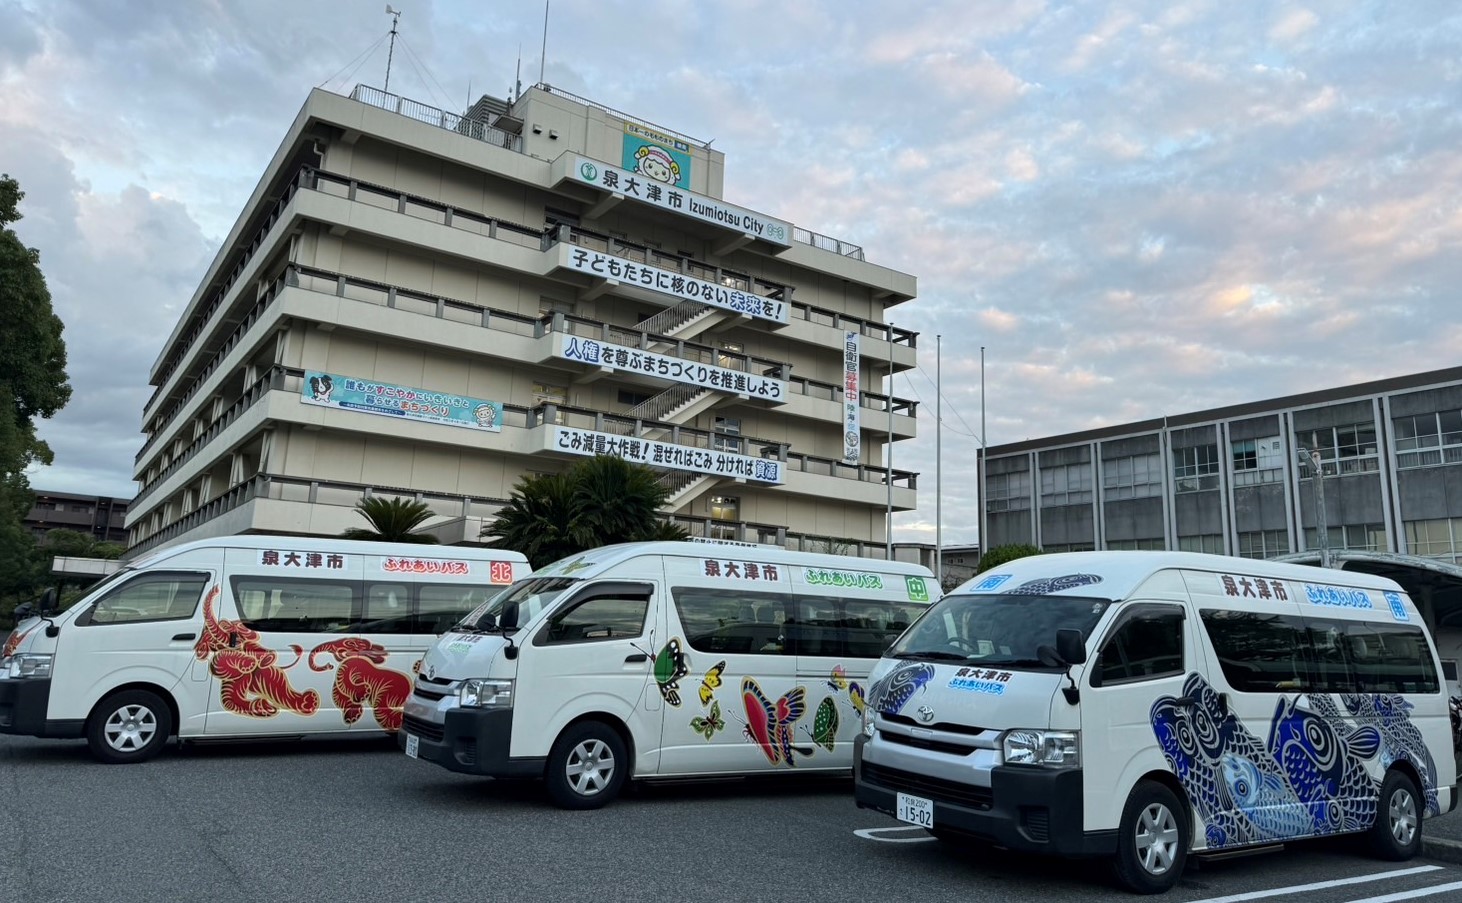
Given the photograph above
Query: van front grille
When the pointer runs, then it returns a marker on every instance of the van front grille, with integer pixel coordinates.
(423, 728)
(936, 789)
(953, 749)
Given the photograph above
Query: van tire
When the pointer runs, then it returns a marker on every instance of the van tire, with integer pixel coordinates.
(587, 766)
(1152, 843)
(1396, 835)
(130, 726)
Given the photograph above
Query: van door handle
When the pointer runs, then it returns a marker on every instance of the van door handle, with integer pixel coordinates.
(636, 657)
(1186, 701)
(233, 641)
(178, 638)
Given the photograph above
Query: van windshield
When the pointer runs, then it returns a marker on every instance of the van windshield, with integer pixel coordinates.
(1004, 630)
(518, 604)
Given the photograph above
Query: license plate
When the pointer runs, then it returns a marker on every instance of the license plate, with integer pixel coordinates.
(916, 810)
(413, 745)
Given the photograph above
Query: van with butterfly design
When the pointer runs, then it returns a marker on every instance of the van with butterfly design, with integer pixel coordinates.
(663, 660)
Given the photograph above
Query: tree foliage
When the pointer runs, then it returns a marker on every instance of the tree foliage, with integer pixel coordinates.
(598, 501)
(999, 555)
(391, 520)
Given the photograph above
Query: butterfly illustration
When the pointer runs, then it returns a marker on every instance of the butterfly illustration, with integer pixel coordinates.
(770, 726)
(711, 681)
(825, 724)
(670, 667)
(855, 693)
(709, 725)
(839, 679)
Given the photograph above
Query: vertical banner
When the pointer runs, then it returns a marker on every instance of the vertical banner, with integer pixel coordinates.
(851, 398)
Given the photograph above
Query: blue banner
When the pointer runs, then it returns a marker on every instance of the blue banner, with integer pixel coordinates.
(335, 391)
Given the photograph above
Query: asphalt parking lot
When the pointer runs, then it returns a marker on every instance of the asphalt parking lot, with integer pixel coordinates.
(357, 820)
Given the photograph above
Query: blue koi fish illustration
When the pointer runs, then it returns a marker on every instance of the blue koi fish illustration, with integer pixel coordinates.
(1324, 761)
(890, 693)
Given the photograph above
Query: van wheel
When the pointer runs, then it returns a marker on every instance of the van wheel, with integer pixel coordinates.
(131, 726)
(587, 766)
(1152, 843)
(1396, 835)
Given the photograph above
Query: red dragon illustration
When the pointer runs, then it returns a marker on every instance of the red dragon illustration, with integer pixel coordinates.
(254, 684)
(361, 682)
(13, 643)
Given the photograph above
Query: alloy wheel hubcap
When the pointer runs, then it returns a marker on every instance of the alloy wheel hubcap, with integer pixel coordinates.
(1157, 839)
(590, 767)
(130, 728)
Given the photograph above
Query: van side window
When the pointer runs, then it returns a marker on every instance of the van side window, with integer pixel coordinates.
(1390, 659)
(735, 621)
(873, 626)
(602, 618)
(387, 608)
(1147, 645)
(1259, 653)
(156, 596)
(278, 605)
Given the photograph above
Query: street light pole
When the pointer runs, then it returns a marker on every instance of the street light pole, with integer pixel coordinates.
(1322, 525)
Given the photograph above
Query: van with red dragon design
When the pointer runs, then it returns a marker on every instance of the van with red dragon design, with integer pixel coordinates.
(242, 637)
(663, 660)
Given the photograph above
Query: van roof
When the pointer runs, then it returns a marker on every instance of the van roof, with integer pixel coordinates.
(331, 544)
(1118, 574)
(607, 556)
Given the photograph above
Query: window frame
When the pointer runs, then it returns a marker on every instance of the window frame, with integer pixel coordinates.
(86, 619)
(596, 592)
(1140, 612)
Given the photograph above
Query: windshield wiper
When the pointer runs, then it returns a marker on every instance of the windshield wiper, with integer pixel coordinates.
(938, 655)
(1015, 663)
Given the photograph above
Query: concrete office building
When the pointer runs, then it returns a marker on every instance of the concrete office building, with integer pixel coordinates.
(423, 304)
(1239, 481)
(99, 516)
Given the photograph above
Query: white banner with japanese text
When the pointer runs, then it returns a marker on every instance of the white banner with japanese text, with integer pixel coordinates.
(665, 454)
(633, 360)
(852, 438)
(669, 282)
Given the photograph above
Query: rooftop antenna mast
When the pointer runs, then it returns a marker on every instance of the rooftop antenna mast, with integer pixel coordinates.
(543, 55)
(395, 15)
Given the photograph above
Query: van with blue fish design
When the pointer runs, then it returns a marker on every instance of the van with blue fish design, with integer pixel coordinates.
(1145, 706)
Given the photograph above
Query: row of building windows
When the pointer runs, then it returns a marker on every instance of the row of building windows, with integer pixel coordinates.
(1439, 538)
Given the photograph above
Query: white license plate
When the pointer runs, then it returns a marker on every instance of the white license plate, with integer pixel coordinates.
(916, 810)
(413, 745)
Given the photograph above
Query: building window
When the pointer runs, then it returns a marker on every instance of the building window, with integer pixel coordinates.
(1068, 547)
(1343, 449)
(1135, 545)
(730, 356)
(1207, 543)
(1195, 468)
(1008, 491)
(554, 395)
(727, 437)
(1426, 440)
(1139, 476)
(1436, 538)
(1263, 544)
(1067, 484)
(633, 399)
(1356, 537)
(1258, 461)
(725, 514)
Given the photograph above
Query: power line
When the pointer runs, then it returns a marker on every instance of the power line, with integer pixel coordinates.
(972, 434)
(428, 71)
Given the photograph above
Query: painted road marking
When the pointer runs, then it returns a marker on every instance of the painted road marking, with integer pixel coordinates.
(1321, 885)
(1412, 894)
(871, 834)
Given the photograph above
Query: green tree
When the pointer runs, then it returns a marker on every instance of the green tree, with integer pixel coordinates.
(391, 520)
(999, 555)
(32, 384)
(596, 502)
(32, 352)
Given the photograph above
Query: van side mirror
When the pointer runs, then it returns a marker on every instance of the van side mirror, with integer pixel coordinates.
(1070, 645)
(48, 600)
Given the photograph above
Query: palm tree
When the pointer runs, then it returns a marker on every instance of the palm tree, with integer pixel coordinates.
(392, 520)
(597, 502)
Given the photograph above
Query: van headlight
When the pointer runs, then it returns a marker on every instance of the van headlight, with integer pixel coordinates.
(1053, 749)
(485, 693)
(868, 724)
(26, 664)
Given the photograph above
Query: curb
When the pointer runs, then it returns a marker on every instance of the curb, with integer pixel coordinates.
(1438, 848)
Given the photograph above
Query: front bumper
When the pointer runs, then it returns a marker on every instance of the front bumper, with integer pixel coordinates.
(23, 710)
(470, 741)
(1031, 809)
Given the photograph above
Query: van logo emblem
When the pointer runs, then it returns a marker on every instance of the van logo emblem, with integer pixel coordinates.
(926, 714)
(431, 672)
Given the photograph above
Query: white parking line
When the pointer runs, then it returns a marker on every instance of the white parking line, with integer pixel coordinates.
(1321, 885)
(1412, 894)
(870, 834)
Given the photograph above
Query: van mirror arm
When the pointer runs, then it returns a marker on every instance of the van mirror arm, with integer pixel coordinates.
(1072, 693)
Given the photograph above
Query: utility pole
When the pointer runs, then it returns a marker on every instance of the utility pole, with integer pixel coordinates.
(1322, 525)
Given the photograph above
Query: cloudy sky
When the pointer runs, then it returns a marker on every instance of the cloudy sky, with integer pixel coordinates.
(1138, 208)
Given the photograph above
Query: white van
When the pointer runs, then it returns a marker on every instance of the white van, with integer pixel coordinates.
(1144, 705)
(663, 659)
(242, 636)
